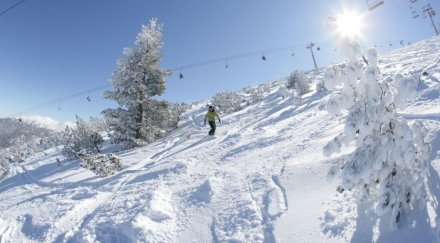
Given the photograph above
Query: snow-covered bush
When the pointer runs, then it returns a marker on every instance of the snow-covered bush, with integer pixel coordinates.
(14, 131)
(101, 164)
(83, 138)
(389, 163)
(320, 86)
(138, 77)
(176, 112)
(299, 82)
(4, 167)
(227, 102)
(255, 95)
(20, 140)
(20, 151)
(284, 92)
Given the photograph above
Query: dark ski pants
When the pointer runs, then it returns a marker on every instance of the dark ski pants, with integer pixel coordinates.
(212, 125)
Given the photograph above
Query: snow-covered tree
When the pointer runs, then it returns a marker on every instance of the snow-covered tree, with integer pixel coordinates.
(389, 163)
(98, 124)
(137, 78)
(299, 82)
(71, 144)
(227, 102)
(176, 112)
(89, 138)
(83, 138)
(101, 164)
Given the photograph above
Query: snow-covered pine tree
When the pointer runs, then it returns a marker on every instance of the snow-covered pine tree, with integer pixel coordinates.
(137, 78)
(389, 163)
(71, 144)
(227, 102)
(299, 82)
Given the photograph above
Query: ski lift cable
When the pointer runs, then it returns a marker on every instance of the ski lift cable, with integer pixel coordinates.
(85, 92)
(59, 100)
(222, 59)
(11, 7)
(243, 55)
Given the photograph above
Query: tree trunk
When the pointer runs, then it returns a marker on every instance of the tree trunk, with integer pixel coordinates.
(138, 119)
(96, 146)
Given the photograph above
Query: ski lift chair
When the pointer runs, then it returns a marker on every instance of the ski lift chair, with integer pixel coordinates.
(415, 14)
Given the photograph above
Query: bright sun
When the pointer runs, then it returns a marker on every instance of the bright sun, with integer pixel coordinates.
(349, 24)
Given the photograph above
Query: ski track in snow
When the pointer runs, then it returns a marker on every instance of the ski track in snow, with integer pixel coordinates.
(261, 179)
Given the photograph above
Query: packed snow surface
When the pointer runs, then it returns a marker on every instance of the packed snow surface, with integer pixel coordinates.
(262, 178)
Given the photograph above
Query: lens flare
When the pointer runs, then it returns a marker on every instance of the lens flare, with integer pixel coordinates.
(349, 24)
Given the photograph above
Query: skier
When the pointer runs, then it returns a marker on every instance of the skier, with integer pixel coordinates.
(210, 117)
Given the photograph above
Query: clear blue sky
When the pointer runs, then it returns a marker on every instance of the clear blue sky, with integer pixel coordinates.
(53, 48)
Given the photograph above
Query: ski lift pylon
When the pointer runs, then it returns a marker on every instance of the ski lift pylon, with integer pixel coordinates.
(373, 4)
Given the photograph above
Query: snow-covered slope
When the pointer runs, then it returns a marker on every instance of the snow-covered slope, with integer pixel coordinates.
(262, 179)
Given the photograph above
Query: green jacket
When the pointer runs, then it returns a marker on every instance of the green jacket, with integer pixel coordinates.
(211, 115)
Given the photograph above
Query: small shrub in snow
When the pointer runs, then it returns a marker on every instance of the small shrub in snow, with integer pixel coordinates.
(227, 102)
(4, 168)
(255, 95)
(284, 92)
(101, 164)
(320, 86)
(389, 163)
(299, 82)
